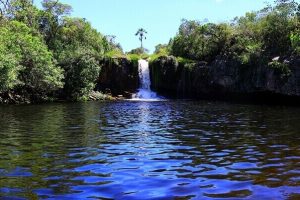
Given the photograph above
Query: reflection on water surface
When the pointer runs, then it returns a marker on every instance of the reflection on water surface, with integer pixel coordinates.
(149, 150)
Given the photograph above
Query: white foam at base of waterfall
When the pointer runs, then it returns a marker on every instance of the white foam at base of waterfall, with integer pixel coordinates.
(144, 92)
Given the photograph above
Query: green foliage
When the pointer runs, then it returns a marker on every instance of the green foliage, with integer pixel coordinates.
(134, 57)
(56, 8)
(78, 48)
(51, 20)
(111, 45)
(81, 73)
(295, 41)
(26, 61)
(162, 49)
(199, 42)
(75, 33)
(282, 68)
(184, 60)
(41, 48)
(115, 53)
(275, 33)
(139, 51)
(24, 11)
(9, 68)
(155, 57)
(272, 31)
(245, 50)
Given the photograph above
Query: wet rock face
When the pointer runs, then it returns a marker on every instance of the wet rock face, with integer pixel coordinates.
(165, 74)
(118, 76)
(292, 85)
(223, 79)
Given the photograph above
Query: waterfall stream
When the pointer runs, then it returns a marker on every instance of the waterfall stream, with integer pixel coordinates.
(145, 92)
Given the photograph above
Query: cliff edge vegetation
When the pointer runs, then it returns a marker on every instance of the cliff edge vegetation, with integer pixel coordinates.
(256, 54)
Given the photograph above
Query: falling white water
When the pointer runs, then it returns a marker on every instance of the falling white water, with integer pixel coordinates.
(144, 92)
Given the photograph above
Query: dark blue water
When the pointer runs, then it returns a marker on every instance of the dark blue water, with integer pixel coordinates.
(149, 150)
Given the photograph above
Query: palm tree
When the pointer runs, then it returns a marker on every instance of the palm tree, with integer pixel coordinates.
(141, 33)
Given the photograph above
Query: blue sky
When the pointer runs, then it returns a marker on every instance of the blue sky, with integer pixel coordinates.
(161, 18)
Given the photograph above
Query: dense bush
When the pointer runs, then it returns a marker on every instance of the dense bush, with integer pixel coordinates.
(26, 61)
(268, 33)
(78, 49)
(43, 52)
(295, 40)
(81, 72)
(199, 42)
(138, 51)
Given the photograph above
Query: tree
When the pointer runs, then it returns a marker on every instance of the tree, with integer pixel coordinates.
(161, 49)
(78, 48)
(24, 11)
(82, 71)
(41, 48)
(112, 44)
(200, 42)
(141, 33)
(25, 61)
(52, 19)
(277, 25)
(286, 8)
(138, 51)
(295, 40)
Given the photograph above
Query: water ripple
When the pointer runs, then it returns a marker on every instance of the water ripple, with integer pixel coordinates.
(150, 150)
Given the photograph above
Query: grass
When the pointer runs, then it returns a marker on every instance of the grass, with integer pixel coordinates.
(156, 56)
(133, 57)
(115, 54)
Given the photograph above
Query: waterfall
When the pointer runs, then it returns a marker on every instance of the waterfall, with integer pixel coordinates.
(144, 91)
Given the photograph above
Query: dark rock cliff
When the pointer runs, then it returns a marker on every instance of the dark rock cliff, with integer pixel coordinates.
(118, 76)
(226, 80)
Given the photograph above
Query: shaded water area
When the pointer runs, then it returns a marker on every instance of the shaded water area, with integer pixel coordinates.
(149, 150)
